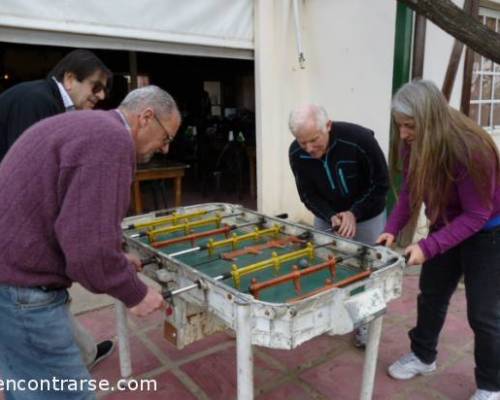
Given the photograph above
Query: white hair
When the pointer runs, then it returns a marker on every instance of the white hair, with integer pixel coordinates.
(151, 96)
(303, 115)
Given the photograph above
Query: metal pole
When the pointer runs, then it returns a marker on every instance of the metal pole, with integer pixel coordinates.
(244, 356)
(123, 342)
(298, 34)
(370, 366)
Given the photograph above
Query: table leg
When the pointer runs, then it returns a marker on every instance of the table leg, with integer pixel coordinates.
(178, 191)
(136, 188)
(123, 342)
(370, 367)
(244, 356)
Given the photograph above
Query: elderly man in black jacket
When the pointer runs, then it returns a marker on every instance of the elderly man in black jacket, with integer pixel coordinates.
(78, 82)
(341, 176)
(340, 172)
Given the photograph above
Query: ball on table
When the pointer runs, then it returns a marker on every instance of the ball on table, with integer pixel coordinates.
(303, 263)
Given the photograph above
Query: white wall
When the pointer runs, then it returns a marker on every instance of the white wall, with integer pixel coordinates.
(348, 47)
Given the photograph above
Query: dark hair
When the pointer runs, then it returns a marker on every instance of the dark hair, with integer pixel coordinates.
(82, 63)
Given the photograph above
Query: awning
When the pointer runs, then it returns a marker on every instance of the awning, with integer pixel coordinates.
(213, 28)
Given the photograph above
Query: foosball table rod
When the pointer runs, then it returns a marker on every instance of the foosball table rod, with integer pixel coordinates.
(275, 261)
(213, 232)
(168, 294)
(329, 284)
(186, 227)
(257, 249)
(172, 218)
(297, 273)
(256, 287)
(235, 239)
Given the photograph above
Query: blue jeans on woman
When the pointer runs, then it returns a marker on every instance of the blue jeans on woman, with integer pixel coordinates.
(478, 259)
(37, 344)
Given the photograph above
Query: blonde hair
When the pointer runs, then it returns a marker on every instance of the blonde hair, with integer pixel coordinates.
(444, 139)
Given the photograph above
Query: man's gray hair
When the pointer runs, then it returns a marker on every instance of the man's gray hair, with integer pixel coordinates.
(162, 103)
(302, 116)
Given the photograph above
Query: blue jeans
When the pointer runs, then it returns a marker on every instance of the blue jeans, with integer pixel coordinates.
(37, 343)
(478, 259)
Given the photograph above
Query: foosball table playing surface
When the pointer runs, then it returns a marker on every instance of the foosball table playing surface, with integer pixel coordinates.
(275, 283)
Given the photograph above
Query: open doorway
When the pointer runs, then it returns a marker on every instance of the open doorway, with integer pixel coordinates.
(216, 99)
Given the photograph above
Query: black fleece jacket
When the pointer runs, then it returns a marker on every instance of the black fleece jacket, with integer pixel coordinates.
(351, 176)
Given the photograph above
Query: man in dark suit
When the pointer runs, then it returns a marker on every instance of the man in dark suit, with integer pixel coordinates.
(77, 82)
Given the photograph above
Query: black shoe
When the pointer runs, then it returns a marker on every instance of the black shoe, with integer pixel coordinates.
(104, 350)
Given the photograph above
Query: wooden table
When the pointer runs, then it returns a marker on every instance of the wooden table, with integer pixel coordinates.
(158, 171)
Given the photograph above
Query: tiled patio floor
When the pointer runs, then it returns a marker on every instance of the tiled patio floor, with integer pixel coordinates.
(323, 368)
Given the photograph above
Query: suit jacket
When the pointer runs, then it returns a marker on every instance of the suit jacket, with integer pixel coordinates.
(25, 104)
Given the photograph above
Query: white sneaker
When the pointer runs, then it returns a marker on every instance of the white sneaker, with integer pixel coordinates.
(481, 394)
(409, 366)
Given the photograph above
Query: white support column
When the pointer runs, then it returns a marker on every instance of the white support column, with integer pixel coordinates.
(123, 342)
(370, 366)
(244, 355)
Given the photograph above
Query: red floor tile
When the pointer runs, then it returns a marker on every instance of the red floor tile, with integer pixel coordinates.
(341, 379)
(393, 344)
(456, 331)
(456, 381)
(410, 282)
(458, 302)
(405, 307)
(288, 391)
(216, 373)
(419, 394)
(338, 378)
(308, 352)
(100, 323)
(168, 387)
(151, 321)
(143, 360)
(156, 336)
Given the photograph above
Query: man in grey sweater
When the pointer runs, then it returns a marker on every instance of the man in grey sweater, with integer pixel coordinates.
(64, 189)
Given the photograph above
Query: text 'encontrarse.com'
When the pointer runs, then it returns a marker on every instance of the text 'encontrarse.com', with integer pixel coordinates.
(77, 385)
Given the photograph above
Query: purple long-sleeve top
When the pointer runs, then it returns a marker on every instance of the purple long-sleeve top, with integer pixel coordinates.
(466, 212)
(64, 189)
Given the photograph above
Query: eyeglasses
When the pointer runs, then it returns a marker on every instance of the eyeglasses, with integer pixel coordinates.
(96, 86)
(168, 138)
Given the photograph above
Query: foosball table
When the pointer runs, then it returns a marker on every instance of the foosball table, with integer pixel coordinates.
(275, 283)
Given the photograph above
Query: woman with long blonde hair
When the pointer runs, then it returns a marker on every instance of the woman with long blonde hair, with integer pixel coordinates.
(451, 166)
